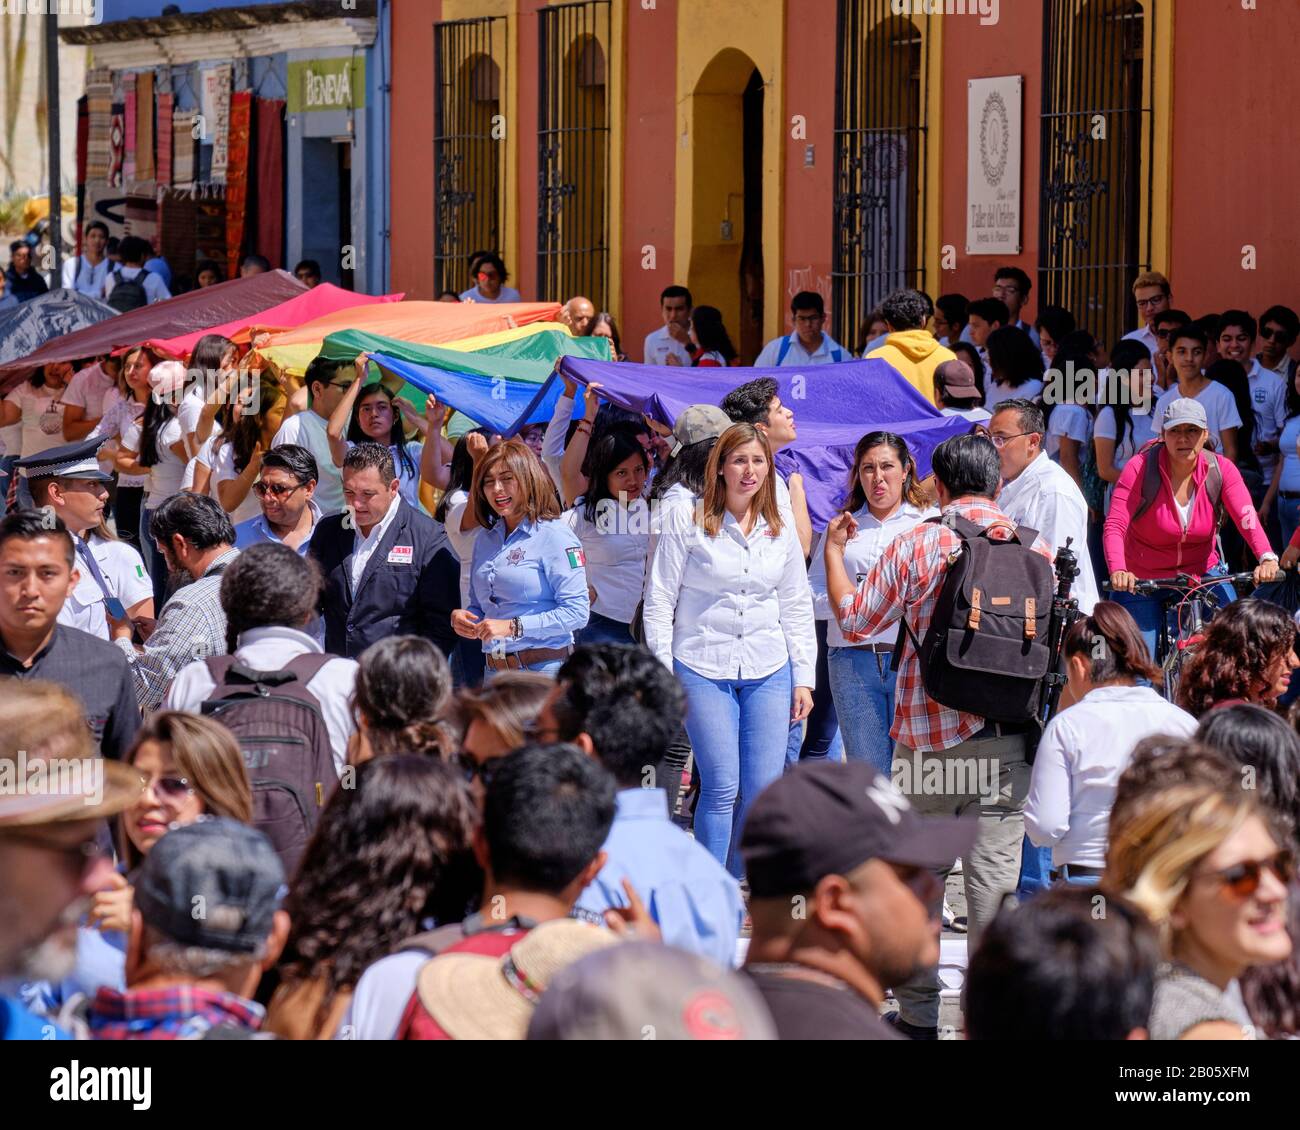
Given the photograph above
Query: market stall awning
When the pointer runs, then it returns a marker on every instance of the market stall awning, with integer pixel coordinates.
(25, 328)
(300, 309)
(834, 406)
(186, 313)
(429, 323)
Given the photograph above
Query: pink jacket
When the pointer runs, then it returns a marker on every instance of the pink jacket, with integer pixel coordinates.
(1155, 545)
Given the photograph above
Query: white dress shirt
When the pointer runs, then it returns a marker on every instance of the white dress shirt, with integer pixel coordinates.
(1045, 498)
(824, 354)
(1083, 751)
(364, 545)
(731, 606)
(860, 554)
(80, 276)
(659, 343)
(615, 547)
(272, 649)
(1146, 335)
(124, 573)
(1268, 399)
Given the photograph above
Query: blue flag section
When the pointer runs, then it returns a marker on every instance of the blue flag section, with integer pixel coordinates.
(834, 406)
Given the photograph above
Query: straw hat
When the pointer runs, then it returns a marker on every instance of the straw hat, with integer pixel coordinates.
(475, 997)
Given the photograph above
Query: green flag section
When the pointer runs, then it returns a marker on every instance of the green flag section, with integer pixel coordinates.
(496, 386)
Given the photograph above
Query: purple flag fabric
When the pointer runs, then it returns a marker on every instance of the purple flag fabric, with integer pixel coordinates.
(834, 406)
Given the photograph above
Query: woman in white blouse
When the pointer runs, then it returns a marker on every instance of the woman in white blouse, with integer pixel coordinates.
(728, 608)
(85, 273)
(612, 522)
(885, 501)
(1086, 747)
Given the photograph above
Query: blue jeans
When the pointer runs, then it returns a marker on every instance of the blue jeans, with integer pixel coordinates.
(549, 667)
(467, 665)
(1035, 869)
(602, 629)
(863, 686)
(153, 560)
(1288, 516)
(738, 730)
(820, 740)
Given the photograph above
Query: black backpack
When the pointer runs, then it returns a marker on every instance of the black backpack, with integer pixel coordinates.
(986, 651)
(285, 742)
(128, 294)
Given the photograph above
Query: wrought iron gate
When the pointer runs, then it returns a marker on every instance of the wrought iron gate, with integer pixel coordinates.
(573, 152)
(881, 99)
(468, 145)
(1095, 224)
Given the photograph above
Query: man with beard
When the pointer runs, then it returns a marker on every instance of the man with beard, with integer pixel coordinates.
(197, 541)
(54, 797)
(842, 877)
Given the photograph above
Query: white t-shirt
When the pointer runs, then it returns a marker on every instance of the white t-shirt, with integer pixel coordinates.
(80, 276)
(155, 290)
(188, 412)
(223, 471)
(88, 389)
(120, 414)
(307, 429)
(202, 457)
(1220, 408)
(42, 418)
(508, 294)
(164, 476)
(975, 415)
(461, 543)
(995, 393)
(1069, 421)
(615, 546)
(1135, 437)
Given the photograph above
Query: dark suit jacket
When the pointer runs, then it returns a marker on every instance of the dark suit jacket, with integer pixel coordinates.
(398, 593)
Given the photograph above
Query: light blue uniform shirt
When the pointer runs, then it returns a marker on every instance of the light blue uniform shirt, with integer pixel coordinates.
(538, 573)
(691, 896)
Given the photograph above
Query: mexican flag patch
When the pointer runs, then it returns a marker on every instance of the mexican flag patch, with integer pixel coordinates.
(577, 559)
(139, 571)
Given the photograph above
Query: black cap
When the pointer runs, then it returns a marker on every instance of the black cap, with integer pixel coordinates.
(67, 461)
(824, 818)
(215, 883)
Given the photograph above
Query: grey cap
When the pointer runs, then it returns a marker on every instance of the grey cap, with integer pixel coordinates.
(215, 883)
(698, 423)
(1184, 410)
(643, 990)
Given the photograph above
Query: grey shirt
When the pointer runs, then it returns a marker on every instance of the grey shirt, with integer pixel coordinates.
(91, 670)
(1184, 999)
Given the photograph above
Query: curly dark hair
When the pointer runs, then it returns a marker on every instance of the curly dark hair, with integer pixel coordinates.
(268, 584)
(388, 855)
(403, 687)
(1240, 647)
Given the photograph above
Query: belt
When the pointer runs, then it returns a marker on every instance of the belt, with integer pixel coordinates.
(1068, 869)
(1289, 493)
(525, 658)
(1001, 730)
(877, 648)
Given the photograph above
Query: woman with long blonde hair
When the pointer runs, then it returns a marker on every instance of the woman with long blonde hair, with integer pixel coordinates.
(728, 608)
(1201, 858)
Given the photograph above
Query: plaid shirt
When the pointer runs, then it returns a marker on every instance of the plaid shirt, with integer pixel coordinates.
(178, 1012)
(909, 575)
(192, 625)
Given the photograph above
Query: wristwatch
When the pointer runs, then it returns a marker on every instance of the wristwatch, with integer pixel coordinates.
(516, 629)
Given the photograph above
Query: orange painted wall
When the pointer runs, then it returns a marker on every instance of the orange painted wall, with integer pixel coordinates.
(1012, 46)
(411, 178)
(808, 194)
(1236, 167)
(649, 161)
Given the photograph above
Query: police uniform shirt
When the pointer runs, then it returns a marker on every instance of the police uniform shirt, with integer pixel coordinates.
(123, 571)
(537, 573)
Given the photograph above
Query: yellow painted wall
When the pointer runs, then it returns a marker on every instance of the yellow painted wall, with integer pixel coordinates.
(720, 42)
(1159, 53)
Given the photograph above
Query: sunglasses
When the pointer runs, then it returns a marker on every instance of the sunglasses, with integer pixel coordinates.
(275, 490)
(172, 788)
(1274, 333)
(1243, 880)
(470, 768)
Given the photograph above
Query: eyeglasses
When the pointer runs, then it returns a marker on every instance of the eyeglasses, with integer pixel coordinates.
(1000, 441)
(340, 384)
(470, 767)
(172, 788)
(275, 490)
(81, 855)
(1243, 880)
(1274, 333)
(1152, 301)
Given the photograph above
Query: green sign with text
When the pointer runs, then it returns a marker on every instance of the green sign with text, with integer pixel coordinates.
(327, 84)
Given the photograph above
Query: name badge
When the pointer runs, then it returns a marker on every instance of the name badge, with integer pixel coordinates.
(401, 555)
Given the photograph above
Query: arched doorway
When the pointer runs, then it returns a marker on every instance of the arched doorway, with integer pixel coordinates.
(726, 260)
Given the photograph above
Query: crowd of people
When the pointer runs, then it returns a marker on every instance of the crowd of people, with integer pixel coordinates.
(590, 732)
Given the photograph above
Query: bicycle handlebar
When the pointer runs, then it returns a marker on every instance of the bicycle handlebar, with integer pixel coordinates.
(1186, 582)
